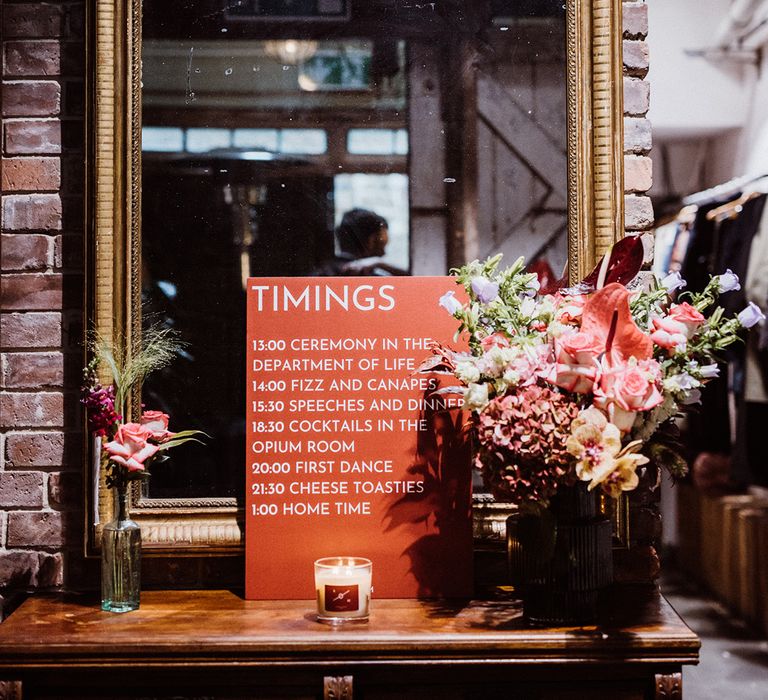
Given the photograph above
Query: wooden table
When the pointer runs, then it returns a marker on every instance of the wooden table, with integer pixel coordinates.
(214, 644)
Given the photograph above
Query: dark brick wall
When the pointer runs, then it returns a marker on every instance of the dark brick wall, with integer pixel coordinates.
(41, 182)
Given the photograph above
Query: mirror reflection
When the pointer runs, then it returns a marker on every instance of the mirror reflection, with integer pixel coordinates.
(320, 137)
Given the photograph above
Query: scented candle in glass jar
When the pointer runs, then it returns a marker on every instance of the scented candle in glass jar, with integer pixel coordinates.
(343, 587)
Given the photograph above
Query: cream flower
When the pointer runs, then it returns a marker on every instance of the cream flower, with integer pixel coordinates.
(621, 475)
(594, 442)
(476, 398)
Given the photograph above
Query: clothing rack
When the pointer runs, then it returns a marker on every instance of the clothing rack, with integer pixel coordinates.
(726, 189)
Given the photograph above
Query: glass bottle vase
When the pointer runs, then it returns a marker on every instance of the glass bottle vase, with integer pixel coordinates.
(120, 561)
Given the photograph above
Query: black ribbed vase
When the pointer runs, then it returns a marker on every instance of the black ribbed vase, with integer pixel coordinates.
(561, 560)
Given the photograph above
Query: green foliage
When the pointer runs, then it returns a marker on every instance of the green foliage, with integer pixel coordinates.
(159, 346)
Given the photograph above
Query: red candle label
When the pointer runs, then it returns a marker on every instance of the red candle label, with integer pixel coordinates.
(342, 598)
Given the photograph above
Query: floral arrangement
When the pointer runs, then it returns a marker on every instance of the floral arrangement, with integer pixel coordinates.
(581, 384)
(128, 449)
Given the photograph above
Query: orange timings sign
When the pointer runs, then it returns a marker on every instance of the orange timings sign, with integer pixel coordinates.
(349, 451)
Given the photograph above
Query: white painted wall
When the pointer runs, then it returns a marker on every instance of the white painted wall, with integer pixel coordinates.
(709, 116)
(692, 95)
(752, 154)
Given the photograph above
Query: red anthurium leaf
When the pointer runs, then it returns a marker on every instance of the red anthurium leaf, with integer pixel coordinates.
(554, 286)
(607, 317)
(624, 264)
(547, 278)
(543, 271)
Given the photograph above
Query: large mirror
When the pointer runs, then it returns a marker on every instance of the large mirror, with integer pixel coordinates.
(251, 138)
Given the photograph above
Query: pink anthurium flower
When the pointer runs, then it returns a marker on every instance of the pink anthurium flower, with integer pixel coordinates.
(607, 317)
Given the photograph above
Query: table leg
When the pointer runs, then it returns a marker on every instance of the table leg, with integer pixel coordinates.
(337, 688)
(669, 686)
(10, 690)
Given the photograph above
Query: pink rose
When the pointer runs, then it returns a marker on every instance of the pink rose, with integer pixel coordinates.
(674, 330)
(157, 423)
(686, 314)
(582, 348)
(576, 367)
(671, 340)
(495, 340)
(579, 379)
(623, 391)
(669, 334)
(130, 447)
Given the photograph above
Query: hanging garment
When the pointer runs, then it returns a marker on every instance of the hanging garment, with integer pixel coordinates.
(722, 425)
(708, 426)
(756, 291)
(736, 237)
(663, 243)
(680, 247)
(734, 245)
(701, 249)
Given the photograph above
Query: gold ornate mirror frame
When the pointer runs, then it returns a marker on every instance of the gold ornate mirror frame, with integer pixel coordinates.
(595, 218)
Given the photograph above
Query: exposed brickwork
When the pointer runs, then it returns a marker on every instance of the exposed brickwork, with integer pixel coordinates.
(26, 252)
(26, 450)
(30, 330)
(41, 260)
(637, 95)
(638, 176)
(21, 490)
(25, 569)
(647, 521)
(32, 292)
(635, 20)
(640, 562)
(31, 410)
(40, 19)
(32, 212)
(636, 58)
(31, 98)
(637, 135)
(32, 58)
(64, 488)
(638, 213)
(31, 370)
(32, 136)
(36, 529)
(31, 174)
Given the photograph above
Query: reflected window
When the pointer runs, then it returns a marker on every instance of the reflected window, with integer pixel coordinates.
(310, 141)
(378, 141)
(200, 140)
(280, 9)
(162, 139)
(261, 139)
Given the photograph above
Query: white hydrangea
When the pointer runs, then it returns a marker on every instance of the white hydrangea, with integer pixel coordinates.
(467, 371)
(476, 398)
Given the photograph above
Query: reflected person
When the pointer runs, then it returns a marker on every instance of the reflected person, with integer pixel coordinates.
(361, 241)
